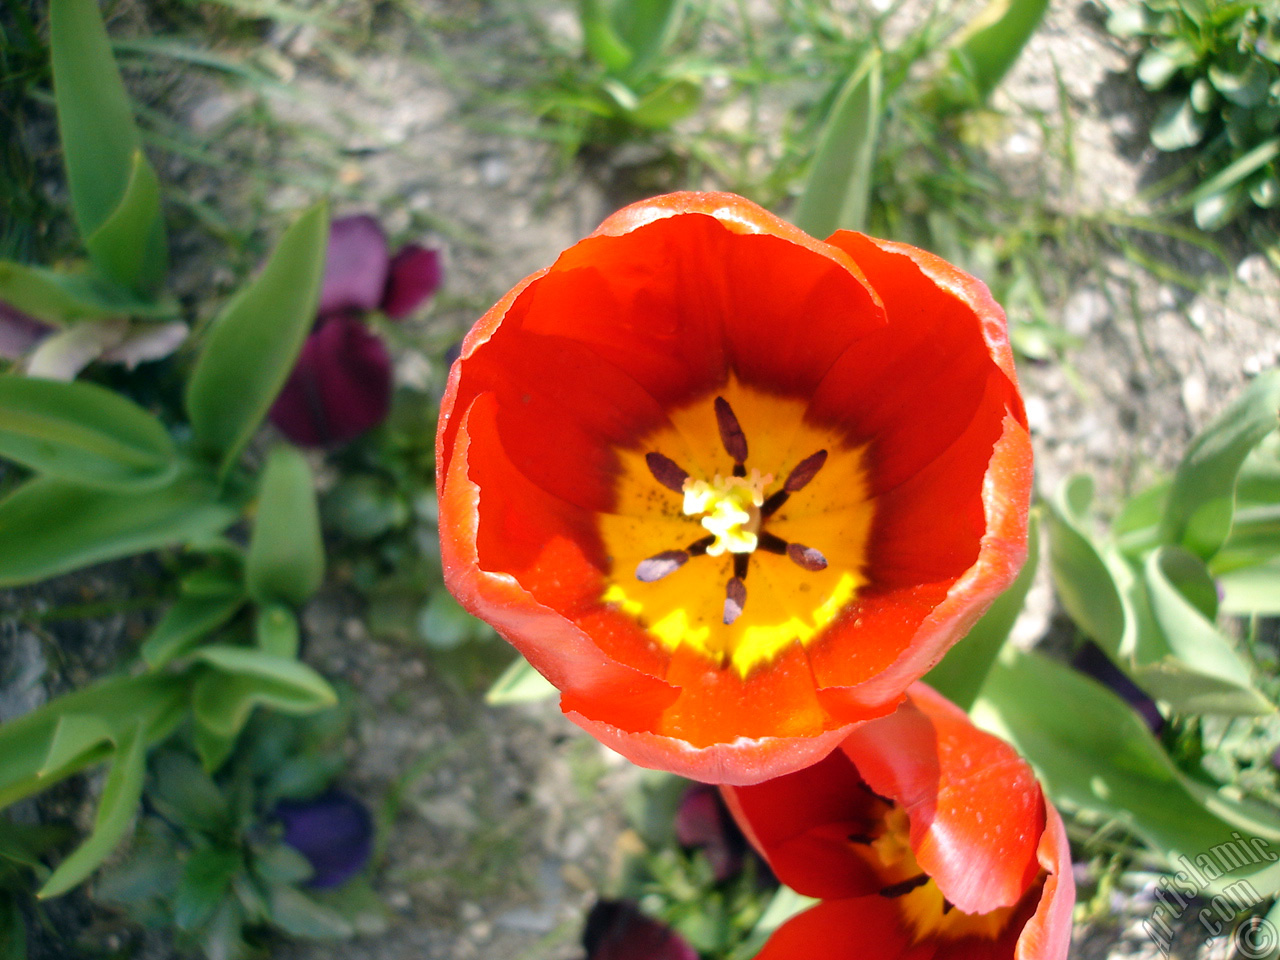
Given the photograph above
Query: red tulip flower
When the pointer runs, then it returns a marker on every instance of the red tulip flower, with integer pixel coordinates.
(341, 385)
(924, 837)
(730, 488)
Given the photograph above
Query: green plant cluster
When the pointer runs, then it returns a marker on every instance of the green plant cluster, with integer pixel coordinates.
(207, 860)
(99, 478)
(1216, 67)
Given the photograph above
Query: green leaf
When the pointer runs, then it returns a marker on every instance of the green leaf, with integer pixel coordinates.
(1177, 125)
(838, 189)
(206, 878)
(960, 674)
(118, 704)
(1185, 660)
(120, 796)
(98, 135)
(251, 347)
(444, 625)
(646, 28)
(83, 433)
(276, 630)
(1161, 63)
(1252, 590)
(1094, 754)
(1081, 578)
(244, 678)
(298, 915)
(1218, 209)
(184, 794)
(129, 246)
(519, 683)
(281, 863)
(1234, 174)
(78, 740)
(1246, 88)
(60, 297)
(13, 931)
(601, 40)
(985, 50)
(1201, 501)
(213, 748)
(672, 100)
(186, 623)
(286, 555)
(51, 526)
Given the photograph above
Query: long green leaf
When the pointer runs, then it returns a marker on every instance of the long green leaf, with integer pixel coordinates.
(286, 555)
(83, 433)
(50, 526)
(185, 624)
(223, 701)
(120, 796)
(99, 138)
(307, 685)
(961, 673)
(838, 190)
(519, 683)
(130, 246)
(60, 297)
(646, 28)
(1093, 753)
(984, 51)
(251, 347)
(27, 743)
(1202, 499)
(1081, 578)
(600, 38)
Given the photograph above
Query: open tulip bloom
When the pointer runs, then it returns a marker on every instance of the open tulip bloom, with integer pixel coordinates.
(924, 838)
(730, 488)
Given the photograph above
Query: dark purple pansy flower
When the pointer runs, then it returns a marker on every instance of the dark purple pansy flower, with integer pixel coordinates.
(1092, 661)
(616, 930)
(703, 822)
(334, 832)
(341, 385)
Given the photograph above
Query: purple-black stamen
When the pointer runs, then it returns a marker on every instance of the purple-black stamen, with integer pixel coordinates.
(699, 547)
(770, 543)
(740, 565)
(805, 471)
(666, 471)
(731, 435)
(735, 598)
(773, 503)
(806, 558)
(660, 565)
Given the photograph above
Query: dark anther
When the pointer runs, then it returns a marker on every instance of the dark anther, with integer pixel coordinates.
(864, 839)
(740, 561)
(773, 502)
(905, 886)
(735, 598)
(699, 547)
(806, 557)
(666, 471)
(805, 471)
(731, 435)
(661, 564)
(771, 543)
(947, 906)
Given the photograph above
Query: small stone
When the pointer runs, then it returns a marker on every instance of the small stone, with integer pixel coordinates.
(1194, 395)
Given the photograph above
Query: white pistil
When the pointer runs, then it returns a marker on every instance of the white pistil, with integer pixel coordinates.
(730, 509)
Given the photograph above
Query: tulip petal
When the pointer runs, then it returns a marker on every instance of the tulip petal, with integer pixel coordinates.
(977, 813)
(356, 264)
(863, 928)
(414, 275)
(339, 388)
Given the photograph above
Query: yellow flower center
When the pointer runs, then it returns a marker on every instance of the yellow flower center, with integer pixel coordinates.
(738, 529)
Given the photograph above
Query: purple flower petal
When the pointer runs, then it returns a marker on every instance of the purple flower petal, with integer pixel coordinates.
(616, 930)
(1092, 661)
(334, 832)
(414, 276)
(19, 332)
(355, 266)
(340, 387)
(703, 822)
